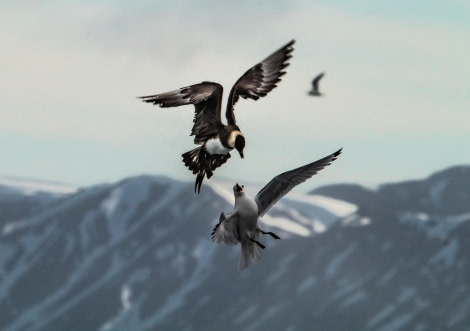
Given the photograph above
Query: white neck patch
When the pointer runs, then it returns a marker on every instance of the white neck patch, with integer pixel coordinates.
(233, 136)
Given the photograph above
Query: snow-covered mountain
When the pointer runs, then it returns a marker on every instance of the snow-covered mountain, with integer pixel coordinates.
(137, 255)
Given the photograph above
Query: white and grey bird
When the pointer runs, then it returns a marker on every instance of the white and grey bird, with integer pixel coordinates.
(315, 91)
(241, 225)
(217, 140)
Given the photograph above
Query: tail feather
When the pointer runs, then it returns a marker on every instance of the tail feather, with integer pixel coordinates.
(203, 164)
(250, 253)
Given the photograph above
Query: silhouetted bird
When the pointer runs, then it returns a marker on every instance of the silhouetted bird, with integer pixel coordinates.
(315, 90)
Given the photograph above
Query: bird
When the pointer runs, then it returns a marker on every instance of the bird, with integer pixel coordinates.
(241, 225)
(216, 139)
(315, 90)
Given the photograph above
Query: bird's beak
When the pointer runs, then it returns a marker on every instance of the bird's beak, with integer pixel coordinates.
(238, 188)
(241, 153)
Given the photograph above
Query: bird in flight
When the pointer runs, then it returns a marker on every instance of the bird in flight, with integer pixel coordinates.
(216, 139)
(241, 225)
(315, 89)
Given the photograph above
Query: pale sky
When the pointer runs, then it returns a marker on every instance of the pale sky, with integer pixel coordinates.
(397, 87)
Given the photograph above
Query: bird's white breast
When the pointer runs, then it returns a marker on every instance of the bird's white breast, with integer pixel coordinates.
(214, 146)
(246, 206)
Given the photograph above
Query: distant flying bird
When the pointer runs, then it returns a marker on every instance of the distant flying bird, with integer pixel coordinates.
(315, 90)
(241, 226)
(217, 139)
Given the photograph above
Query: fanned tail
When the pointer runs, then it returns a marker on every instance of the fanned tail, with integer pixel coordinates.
(250, 253)
(203, 164)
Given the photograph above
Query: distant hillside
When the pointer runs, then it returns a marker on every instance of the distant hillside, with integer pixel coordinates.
(137, 255)
(445, 192)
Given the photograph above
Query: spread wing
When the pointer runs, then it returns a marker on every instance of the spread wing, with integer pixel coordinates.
(259, 80)
(227, 230)
(283, 183)
(206, 98)
(316, 80)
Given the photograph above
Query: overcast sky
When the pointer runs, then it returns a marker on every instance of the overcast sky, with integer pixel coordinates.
(397, 87)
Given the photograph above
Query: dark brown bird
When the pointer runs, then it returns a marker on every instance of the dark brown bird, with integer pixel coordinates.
(217, 140)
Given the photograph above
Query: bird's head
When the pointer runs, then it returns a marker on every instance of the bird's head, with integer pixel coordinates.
(240, 144)
(238, 188)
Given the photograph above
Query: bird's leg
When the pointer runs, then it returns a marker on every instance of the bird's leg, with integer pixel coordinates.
(272, 234)
(198, 183)
(257, 242)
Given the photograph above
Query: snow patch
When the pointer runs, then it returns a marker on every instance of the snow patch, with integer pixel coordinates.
(268, 314)
(392, 272)
(333, 267)
(127, 317)
(9, 228)
(383, 314)
(282, 268)
(354, 298)
(460, 312)
(250, 311)
(338, 207)
(446, 256)
(178, 298)
(398, 322)
(307, 283)
(126, 297)
(355, 220)
(406, 295)
(314, 218)
(286, 225)
(435, 227)
(32, 186)
(109, 205)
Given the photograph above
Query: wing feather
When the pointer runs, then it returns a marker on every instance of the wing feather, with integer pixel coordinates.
(226, 231)
(280, 185)
(260, 79)
(206, 98)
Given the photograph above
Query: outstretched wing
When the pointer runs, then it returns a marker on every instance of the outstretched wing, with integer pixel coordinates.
(206, 98)
(283, 183)
(316, 80)
(259, 80)
(226, 231)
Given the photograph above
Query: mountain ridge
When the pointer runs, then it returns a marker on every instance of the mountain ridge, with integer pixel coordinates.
(137, 254)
